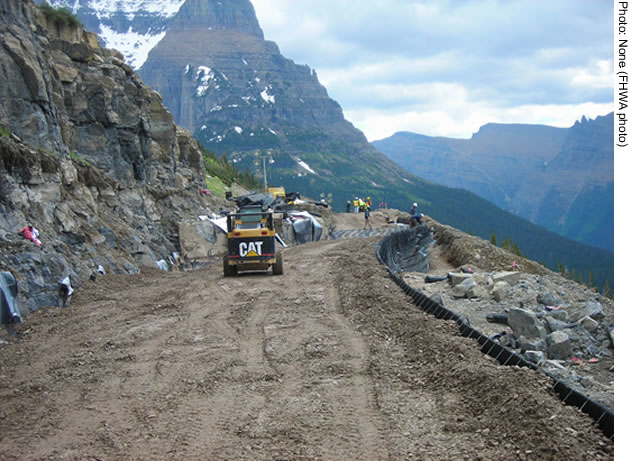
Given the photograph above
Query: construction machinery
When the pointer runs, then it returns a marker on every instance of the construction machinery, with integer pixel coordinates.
(251, 242)
(276, 191)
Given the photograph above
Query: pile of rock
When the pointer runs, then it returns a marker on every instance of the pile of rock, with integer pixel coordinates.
(552, 322)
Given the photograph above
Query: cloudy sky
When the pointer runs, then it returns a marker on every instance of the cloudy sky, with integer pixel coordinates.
(445, 68)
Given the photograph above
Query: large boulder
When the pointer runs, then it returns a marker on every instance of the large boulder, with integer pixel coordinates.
(201, 240)
(559, 345)
(590, 308)
(525, 323)
(512, 278)
(500, 290)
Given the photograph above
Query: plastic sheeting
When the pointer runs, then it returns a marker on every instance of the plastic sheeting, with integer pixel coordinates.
(306, 227)
(265, 200)
(408, 250)
(303, 230)
(8, 299)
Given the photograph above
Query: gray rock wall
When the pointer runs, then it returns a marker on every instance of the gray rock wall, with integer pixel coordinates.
(65, 94)
(93, 160)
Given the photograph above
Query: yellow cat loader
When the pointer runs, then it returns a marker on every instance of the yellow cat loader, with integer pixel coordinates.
(251, 242)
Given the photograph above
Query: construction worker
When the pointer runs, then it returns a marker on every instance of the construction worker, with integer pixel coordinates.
(348, 206)
(367, 210)
(356, 204)
(361, 204)
(415, 219)
(413, 209)
(369, 202)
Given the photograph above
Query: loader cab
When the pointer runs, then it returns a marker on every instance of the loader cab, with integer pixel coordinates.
(250, 217)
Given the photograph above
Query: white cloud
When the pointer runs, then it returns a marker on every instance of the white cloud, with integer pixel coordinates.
(462, 124)
(598, 76)
(446, 68)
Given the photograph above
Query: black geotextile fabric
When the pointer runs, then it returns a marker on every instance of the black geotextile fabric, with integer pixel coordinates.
(407, 250)
(393, 253)
(8, 299)
(265, 200)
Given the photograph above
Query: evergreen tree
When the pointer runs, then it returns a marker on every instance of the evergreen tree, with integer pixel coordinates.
(591, 283)
(493, 238)
(510, 246)
(606, 291)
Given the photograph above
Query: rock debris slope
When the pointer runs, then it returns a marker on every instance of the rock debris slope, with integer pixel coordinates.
(563, 327)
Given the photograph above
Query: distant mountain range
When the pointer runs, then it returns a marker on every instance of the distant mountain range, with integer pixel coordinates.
(241, 98)
(558, 178)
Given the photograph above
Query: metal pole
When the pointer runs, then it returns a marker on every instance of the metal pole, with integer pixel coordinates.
(265, 180)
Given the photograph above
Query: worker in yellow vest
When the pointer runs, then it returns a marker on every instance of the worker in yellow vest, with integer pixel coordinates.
(356, 205)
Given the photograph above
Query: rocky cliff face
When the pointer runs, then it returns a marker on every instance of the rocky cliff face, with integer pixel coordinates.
(89, 155)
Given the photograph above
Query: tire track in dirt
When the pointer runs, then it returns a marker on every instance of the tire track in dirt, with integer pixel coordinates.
(313, 361)
(328, 361)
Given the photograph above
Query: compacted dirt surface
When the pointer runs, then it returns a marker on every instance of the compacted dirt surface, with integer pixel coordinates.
(329, 361)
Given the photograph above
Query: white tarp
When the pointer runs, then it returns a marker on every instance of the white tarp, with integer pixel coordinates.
(219, 222)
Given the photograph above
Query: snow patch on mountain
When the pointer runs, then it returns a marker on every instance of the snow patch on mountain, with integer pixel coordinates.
(135, 47)
(106, 8)
(204, 75)
(269, 98)
(305, 166)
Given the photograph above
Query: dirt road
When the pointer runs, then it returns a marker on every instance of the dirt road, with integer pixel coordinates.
(329, 361)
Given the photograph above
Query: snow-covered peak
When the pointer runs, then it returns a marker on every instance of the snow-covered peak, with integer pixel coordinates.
(107, 8)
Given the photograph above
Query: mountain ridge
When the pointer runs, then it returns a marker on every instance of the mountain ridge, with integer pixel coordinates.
(551, 176)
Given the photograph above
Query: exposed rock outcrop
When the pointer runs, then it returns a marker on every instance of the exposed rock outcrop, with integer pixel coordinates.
(94, 160)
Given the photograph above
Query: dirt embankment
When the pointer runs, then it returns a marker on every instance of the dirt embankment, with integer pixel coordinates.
(328, 361)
